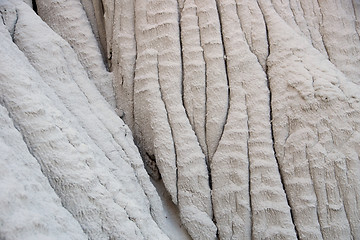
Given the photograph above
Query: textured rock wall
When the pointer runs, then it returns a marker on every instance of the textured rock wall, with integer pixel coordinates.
(246, 115)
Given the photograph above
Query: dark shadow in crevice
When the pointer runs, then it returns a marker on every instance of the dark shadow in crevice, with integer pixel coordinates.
(34, 6)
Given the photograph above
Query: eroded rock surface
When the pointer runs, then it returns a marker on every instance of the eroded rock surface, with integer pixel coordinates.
(245, 115)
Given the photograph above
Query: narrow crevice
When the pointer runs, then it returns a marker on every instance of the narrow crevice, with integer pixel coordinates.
(228, 91)
(193, 126)
(272, 133)
(11, 27)
(321, 25)
(205, 86)
(207, 160)
(35, 6)
(15, 25)
(182, 63)
(2, 18)
(278, 164)
(226, 73)
(183, 87)
(110, 54)
(249, 169)
(267, 40)
(100, 22)
(151, 167)
(326, 49)
(133, 74)
(171, 130)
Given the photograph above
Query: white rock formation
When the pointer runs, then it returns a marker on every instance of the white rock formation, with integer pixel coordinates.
(245, 114)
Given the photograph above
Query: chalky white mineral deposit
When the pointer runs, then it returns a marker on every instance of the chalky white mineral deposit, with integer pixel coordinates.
(179, 119)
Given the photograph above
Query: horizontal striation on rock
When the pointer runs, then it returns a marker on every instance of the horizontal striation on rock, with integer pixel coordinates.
(253, 27)
(72, 146)
(268, 210)
(216, 86)
(81, 39)
(158, 28)
(155, 135)
(194, 72)
(245, 114)
(310, 137)
(21, 177)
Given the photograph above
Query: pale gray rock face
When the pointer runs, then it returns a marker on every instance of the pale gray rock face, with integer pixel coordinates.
(187, 119)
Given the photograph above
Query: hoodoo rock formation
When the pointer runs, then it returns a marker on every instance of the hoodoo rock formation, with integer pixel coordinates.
(179, 119)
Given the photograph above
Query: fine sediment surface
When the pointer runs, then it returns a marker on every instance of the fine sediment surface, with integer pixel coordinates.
(244, 114)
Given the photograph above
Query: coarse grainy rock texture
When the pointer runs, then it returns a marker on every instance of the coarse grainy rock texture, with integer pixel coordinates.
(179, 119)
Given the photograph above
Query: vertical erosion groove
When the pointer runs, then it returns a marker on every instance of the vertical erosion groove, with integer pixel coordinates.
(249, 168)
(304, 135)
(226, 72)
(272, 130)
(158, 29)
(216, 80)
(175, 198)
(194, 72)
(123, 58)
(277, 160)
(132, 90)
(98, 25)
(179, 12)
(230, 162)
(154, 135)
(250, 110)
(253, 27)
